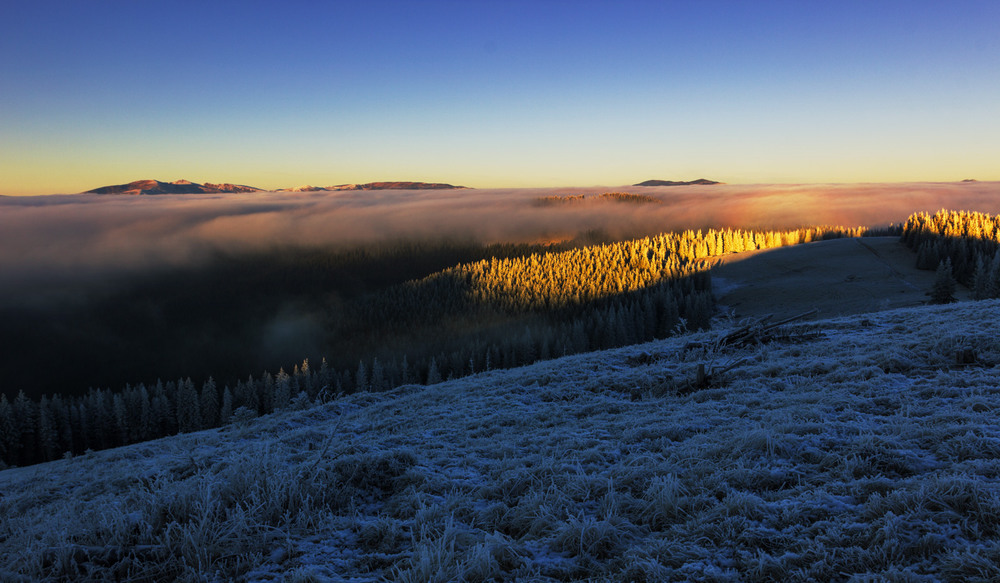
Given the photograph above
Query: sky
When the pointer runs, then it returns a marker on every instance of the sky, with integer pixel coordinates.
(495, 93)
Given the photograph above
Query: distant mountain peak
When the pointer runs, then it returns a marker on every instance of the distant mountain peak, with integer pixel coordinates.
(396, 186)
(375, 186)
(700, 181)
(147, 187)
(303, 188)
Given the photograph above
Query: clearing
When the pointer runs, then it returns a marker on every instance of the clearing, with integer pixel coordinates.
(837, 277)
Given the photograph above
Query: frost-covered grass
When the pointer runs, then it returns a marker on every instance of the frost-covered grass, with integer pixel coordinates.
(866, 455)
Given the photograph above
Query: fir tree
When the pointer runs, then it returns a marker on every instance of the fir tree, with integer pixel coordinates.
(405, 371)
(981, 279)
(361, 378)
(266, 393)
(282, 391)
(26, 421)
(433, 374)
(325, 381)
(378, 376)
(8, 433)
(121, 419)
(226, 411)
(209, 404)
(48, 433)
(188, 407)
(305, 380)
(943, 291)
(60, 410)
(146, 425)
(993, 287)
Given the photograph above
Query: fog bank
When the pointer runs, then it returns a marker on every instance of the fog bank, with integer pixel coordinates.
(48, 242)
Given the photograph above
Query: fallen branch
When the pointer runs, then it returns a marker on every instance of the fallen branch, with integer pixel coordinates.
(759, 332)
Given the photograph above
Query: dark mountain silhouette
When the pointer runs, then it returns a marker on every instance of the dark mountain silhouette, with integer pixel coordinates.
(178, 187)
(676, 183)
(376, 186)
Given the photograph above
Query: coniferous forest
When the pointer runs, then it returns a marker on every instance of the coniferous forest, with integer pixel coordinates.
(964, 244)
(374, 318)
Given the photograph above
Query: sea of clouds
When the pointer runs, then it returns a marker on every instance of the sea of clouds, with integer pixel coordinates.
(50, 244)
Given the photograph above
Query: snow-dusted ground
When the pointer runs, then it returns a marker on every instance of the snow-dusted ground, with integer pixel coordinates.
(867, 454)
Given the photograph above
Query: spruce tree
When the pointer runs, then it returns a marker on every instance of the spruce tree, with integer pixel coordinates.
(226, 411)
(993, 287)
(121, 416)
(361, 378)
(188, 407)
(266, 393)
(378, 382)
(282, 390)
(8, 433)
(433, 374)
(325, 381)
(60, 409)
(406, 371)
(305, 380)
(251, 398)
(48, 433)
(26, 420)
(209, 404)
(943, 291)
(981, 279)
(146, 427)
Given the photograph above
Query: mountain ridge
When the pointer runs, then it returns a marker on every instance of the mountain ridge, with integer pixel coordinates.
(157, 187)
(153, 187)
(700, 181)
(376, 186)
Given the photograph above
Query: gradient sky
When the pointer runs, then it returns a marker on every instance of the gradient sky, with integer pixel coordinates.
(496, 93)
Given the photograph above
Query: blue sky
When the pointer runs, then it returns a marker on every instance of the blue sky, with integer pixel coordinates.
(496, 93)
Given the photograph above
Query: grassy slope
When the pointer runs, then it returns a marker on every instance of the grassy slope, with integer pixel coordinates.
(866, 451)
(839, 276)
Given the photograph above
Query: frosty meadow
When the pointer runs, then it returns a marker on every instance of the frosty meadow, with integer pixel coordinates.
(862, 454)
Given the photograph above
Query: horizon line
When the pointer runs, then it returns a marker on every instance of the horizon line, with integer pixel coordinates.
(466, 187)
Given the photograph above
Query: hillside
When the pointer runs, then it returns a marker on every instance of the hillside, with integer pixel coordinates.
(836, 277)
(842, 449)
(177, 187)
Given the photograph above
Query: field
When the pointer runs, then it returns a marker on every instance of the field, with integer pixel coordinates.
(836, 278)
(845, 449)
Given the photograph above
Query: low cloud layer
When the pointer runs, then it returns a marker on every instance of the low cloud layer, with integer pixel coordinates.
(54, 241)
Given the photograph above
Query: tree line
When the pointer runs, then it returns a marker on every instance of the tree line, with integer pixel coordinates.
(626, 197)
(503, 311)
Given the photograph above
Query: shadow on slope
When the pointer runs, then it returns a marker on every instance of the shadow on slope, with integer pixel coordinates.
(837, 277)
